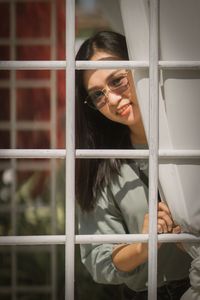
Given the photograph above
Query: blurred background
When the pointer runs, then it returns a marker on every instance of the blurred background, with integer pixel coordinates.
(32, 115)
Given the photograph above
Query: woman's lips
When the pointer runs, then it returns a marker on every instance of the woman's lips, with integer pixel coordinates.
(124, 110)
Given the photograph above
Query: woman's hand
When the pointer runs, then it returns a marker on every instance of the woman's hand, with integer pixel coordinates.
(165, 221)
(127, 257)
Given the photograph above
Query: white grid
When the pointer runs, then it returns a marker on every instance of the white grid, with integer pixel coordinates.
(69, 239)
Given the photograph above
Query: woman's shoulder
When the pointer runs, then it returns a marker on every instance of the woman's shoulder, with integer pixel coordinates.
(128, 171)
(127, 183)
(128, 174)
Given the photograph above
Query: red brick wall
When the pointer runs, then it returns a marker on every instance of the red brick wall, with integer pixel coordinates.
(33, 21)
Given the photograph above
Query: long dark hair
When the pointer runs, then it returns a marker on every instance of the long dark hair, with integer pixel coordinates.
(93, 130)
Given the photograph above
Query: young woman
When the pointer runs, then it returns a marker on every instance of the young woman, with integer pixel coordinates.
(112, 193)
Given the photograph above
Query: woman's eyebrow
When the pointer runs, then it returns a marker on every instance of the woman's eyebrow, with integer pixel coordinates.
(107, 79)
(111, 75)
(94, 88)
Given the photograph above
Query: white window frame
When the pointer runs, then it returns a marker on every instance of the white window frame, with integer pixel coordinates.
(70, 154)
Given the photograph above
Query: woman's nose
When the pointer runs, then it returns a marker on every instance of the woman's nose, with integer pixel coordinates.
(113, 98)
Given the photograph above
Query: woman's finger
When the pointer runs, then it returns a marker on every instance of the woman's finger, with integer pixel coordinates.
(176, 229)
(162, 225)
(159, 228)
(163, 215)
(163, 207)
(145, 228)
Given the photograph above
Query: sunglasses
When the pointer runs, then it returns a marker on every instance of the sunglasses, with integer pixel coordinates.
(118, 84)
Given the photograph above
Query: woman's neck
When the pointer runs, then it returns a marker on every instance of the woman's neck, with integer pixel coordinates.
(137, 134)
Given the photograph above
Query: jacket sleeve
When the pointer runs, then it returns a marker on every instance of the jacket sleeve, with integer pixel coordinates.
(105, 219)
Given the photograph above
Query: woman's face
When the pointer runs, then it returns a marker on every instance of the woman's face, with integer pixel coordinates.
(120, 107)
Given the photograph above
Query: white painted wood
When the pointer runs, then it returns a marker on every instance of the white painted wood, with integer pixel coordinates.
(81, 65)
(70, 153)
(87, 239)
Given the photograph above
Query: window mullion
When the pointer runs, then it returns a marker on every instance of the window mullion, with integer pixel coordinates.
(70, 152)
(153, 149)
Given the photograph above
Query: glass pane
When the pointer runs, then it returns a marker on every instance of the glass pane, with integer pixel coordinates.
(37, 15)
(33, 104)
(84, 284)
(5, 296)
(33, 296)
(33, 266)
(6, 177)
(5, 267)
(4, 55)
(4, 15)
(34, 221)
(33, 52)
(33, 139)
(4, 139)
(4, 104)
(32, 74)
(5, 223)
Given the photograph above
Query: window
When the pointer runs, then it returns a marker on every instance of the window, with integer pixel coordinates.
(24, 50)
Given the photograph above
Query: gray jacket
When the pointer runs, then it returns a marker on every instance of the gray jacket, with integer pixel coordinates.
(120, 209)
